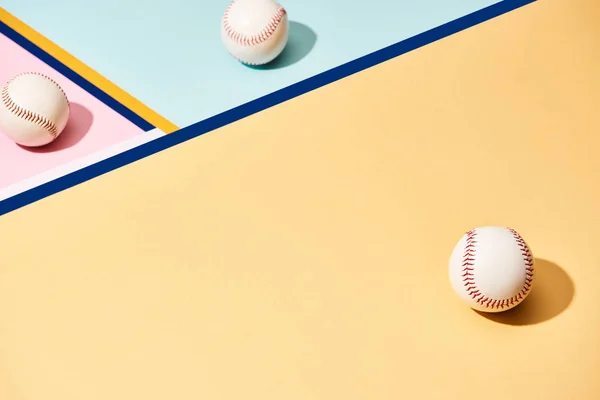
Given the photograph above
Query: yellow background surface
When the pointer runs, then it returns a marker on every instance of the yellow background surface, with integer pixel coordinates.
(302, 253)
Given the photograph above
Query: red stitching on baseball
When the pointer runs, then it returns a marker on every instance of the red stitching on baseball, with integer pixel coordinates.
(469, 268)
(257, 38)
(26, 114)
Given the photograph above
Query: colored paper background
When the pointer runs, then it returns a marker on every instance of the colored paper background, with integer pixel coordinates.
(302, 253)
(169, 55)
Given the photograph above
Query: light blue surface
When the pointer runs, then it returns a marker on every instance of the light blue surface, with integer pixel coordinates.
(168, 53)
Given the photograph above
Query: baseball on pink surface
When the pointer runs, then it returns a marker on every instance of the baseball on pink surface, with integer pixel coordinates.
(255, 32)
(34, 109)
(492, 269)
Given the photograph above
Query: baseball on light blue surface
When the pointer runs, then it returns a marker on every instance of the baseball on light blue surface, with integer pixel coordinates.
(171, 56)
(255, 32)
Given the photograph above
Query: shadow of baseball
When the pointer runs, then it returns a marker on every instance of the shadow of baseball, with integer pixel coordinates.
(79, 124)
(301, 41)
(551, 294)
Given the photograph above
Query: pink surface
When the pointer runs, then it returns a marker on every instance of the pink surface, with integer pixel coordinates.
(92, 125)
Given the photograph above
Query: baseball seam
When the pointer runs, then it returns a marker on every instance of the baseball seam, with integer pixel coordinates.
(468, 273)
(26, 114)
(257, 38)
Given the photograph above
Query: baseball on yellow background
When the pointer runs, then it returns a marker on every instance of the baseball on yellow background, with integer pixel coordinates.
(492, 269)
(34, 109)
(255, 32)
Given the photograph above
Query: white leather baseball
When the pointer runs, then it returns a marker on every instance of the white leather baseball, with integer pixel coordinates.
(34, 109)
(491, 269)
(254, 32)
